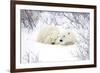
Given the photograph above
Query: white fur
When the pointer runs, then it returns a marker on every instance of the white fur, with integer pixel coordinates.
(66, 37)
(48, 34)
(53, 34)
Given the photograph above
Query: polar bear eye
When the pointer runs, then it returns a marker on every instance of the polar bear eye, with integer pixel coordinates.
(68, 33)
(63, 35)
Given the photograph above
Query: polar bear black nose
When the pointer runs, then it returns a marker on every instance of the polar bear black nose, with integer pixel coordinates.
(61, 40)
(52, 43)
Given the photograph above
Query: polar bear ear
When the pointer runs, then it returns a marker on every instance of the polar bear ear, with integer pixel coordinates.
(63, 35)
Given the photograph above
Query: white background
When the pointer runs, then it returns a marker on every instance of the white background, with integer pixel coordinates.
(5, 37)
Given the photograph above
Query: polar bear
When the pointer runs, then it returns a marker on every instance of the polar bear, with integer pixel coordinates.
(55, 36)
(66, 37)
(48, 34)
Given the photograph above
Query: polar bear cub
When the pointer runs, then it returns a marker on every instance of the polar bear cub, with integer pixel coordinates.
(48, 34)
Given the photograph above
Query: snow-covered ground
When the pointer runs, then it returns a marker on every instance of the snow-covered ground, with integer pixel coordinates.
(33, 51)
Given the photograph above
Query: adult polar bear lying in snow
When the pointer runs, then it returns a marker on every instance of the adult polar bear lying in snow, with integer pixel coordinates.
(55, 35)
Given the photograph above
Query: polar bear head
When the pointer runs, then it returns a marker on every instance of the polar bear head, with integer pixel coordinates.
(66, 38)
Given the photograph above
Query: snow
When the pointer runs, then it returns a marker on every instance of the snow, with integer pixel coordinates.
(45, 52)
(33, 51)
